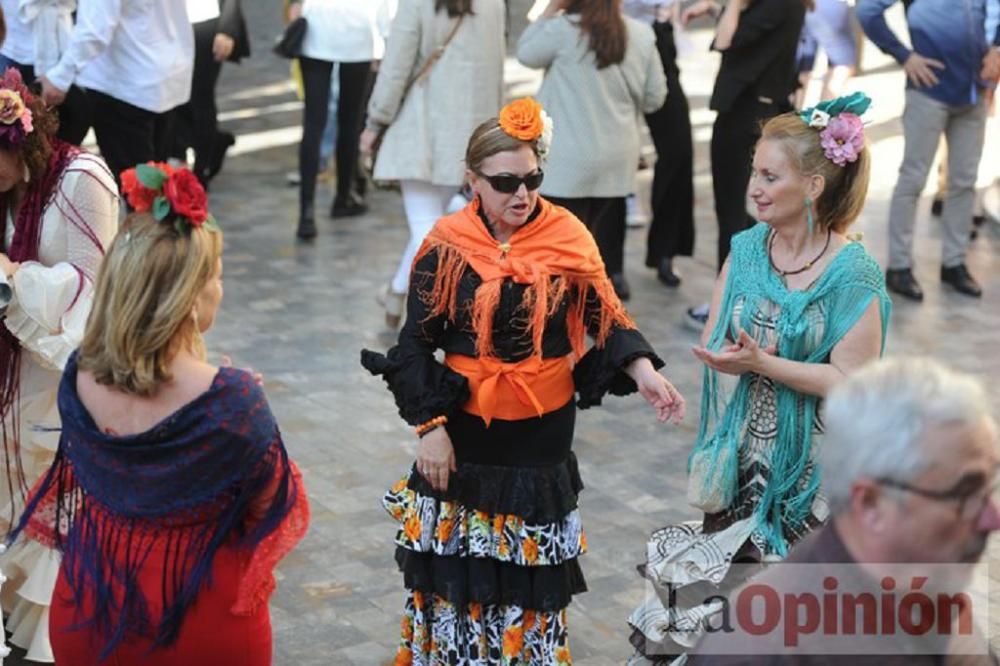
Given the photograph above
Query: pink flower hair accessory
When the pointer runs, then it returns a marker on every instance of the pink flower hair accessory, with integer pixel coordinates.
(15, 116)
(843, 138)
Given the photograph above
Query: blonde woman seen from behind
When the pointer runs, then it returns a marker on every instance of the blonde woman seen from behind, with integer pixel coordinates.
(171, 497)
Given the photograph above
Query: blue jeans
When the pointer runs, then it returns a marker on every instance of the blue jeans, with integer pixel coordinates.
(329, 141)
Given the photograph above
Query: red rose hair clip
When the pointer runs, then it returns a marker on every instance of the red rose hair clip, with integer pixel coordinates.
(171, 195)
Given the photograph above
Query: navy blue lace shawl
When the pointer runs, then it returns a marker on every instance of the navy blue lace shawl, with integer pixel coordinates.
(197, 471)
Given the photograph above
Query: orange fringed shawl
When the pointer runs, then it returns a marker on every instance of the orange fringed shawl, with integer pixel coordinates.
(554, 255)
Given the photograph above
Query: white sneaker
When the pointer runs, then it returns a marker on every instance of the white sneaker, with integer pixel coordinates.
(634, 215)
(696, 318)
(394, 304)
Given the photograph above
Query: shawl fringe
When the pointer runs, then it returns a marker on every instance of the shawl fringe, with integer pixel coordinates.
(541, 300)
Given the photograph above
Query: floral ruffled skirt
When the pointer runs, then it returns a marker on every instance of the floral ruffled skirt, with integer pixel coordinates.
(490, 566)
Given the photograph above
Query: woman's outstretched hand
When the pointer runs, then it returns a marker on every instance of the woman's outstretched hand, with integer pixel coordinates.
(745, 355)
(657, 391)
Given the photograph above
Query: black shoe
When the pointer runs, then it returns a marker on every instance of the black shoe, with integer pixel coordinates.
(959, 278)
(620, 284)
(223, 142)
(307, 228)
(348, 208)
(665, 273)
(937, 206)
(902, 282)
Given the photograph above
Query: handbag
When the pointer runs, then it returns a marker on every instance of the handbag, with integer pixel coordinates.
(421, 73)
(714, 489)
(711, 490)
(290, 43)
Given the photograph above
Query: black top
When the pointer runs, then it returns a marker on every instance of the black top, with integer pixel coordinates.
(760, 62)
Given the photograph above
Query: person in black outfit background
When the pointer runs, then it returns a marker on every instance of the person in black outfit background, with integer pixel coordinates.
(758, 40)
(197, 126)
(671, 232)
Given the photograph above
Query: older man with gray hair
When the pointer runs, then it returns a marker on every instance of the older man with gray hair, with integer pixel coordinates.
(909, 463)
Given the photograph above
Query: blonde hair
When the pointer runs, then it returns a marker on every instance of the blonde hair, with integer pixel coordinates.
(146, 292)
(488, 140)
(843, 198)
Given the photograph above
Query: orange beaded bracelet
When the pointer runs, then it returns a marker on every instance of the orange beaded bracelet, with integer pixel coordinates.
(435, 422)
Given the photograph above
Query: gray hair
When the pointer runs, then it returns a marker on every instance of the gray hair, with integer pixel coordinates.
(877, 421)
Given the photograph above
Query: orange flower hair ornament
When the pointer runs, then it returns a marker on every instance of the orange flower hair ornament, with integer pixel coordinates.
(174, 196)
(525, 119)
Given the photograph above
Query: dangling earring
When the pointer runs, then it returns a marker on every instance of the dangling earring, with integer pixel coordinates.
(27, 174)
(809, 214)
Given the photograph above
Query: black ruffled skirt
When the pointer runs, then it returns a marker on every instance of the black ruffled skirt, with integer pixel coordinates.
(491, 564)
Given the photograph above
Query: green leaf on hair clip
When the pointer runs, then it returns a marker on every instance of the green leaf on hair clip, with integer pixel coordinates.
(150, 176)
(211, 223)
(856, 103)
(179, 225)
(161, 208)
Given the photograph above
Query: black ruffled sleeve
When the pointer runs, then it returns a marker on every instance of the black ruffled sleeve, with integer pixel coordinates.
(423, 388)
(602, 370)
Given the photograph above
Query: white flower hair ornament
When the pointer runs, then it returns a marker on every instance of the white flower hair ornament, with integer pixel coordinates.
(545, 140)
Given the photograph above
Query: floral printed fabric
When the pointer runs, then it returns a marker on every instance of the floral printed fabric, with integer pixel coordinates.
(436, 632)
(448, 528)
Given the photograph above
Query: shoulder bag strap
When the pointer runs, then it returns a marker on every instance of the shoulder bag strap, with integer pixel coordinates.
(434, 56)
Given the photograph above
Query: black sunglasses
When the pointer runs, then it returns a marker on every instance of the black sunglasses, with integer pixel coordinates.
(509, 183)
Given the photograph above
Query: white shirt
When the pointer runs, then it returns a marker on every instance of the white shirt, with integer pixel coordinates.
(346, 30)
(202, 10)
(51, 26)
(19, 45)
(137, 51)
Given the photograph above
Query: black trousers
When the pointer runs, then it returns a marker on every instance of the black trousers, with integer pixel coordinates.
(355, 80)
(671, 232)
(605, 217)
(734, 136)
(128, 135)
(74, 112)
(197, 123)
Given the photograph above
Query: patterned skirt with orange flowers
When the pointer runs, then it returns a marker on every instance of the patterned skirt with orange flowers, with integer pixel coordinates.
(491, 565)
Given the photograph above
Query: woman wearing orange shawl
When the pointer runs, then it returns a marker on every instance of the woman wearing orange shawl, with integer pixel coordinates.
(509, 288)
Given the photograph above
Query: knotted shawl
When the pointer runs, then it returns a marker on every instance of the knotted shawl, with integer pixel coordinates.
(190, 480)
(554, 254)
(844, 291)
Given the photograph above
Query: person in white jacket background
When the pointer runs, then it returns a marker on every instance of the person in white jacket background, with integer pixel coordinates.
(427, 122)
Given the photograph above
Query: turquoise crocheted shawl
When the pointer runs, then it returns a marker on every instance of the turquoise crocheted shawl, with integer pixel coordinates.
(844, 291)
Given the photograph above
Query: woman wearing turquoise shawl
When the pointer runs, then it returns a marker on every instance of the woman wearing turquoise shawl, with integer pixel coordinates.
(797, 306)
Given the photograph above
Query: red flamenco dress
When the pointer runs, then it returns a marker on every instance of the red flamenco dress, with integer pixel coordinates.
(169, 537)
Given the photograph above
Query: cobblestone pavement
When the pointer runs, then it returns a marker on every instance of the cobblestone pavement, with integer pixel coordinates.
(300, 314)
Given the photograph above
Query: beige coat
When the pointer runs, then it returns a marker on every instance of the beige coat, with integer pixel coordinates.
(428, 131)
(595, 112)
